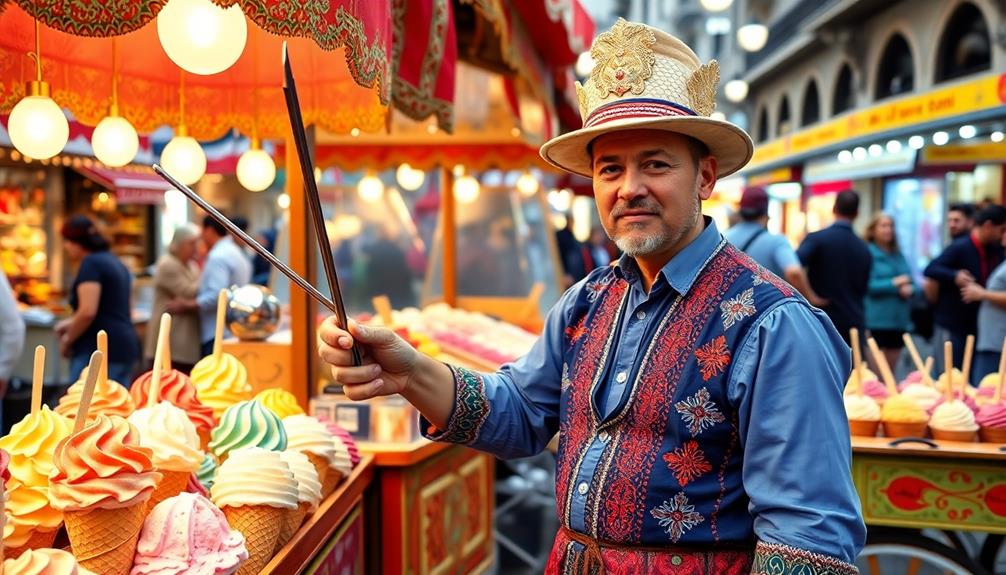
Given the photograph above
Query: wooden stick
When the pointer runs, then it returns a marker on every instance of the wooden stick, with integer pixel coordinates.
(218, 341)
(382, 305)
(1002, 375)
(167, 350)
(885, 369)
(948, 368)
(929, 369)
(103, 348)
(154, 393)
(969, 352)
(93, 369)
(857, 361)
(37, 377)
(917, 359)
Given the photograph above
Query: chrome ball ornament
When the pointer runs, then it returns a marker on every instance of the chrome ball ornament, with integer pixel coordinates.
(253, 313)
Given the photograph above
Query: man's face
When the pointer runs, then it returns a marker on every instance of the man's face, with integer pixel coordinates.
(990, 234)
(209, 236)
(649, 189)
(957, 223)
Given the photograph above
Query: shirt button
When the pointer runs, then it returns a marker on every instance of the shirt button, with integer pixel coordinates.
(603, 436)
(582, 488)
(676, 560)
(640, 315)
(621, 377)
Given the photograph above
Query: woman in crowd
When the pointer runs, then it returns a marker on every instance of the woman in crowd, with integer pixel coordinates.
(888, 309)
(100, 297)
(176, 277)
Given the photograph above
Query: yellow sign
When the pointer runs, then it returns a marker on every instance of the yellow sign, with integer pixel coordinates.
(964, 154)
(984, 93)
(772, 177)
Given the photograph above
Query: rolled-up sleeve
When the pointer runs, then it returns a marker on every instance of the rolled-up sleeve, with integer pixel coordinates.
(787, 386)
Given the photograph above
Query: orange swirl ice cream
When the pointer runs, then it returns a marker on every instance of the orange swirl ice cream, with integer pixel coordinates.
(110, 398)
(177, 388)
(221, 382)
(45, 562)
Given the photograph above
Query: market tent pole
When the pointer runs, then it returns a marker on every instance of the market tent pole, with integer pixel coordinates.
(302, 324)
(450, 232)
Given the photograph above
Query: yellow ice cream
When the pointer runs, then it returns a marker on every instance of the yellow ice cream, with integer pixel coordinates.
(925, 396)
(221, 382)
(255, 476)
(281, 402)
(901, 409)
(866, 375)
(958, 379)
(861, 408)
(990, 381)
(31, 443)
(45, 562)
(953, 416)
(169, 432)
(28, 511)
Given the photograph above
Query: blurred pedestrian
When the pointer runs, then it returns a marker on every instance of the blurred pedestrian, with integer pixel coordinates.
(960, 220)
(888, 300)
(176, 277)
(991, 319)
(261, 268)
(12, 332)
(838, 266)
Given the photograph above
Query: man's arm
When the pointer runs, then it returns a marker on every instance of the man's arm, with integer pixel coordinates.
(787, 385)
(945, 267)
(213, 280)
(787, 260)
(976, 293)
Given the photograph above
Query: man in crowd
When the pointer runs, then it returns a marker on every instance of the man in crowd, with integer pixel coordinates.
(12, 332)
(968, 260)
(772, 251)
(691, 439)
(960, 220)
(838, 265)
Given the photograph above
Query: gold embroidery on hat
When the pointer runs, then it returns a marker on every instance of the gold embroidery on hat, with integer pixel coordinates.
(581, 96)
(623, 59)
(702, 88)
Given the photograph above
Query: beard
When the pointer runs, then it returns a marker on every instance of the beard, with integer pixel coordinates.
(635, 245)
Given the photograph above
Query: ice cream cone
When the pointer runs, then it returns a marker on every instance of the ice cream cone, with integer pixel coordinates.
(104, 540)
(37, 540)
(294, 519)
(320, 465)
(899, 429)
(204, 440)
(953, 435)
(261, 526)
(172, 483)
(864, 428)
(992, 434)
(332, 480)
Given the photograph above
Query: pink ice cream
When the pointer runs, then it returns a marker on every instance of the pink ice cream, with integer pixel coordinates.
(188, 534)
(871, 388)
(967, 399)
(914, 377)
(347, 439)
(992, 416)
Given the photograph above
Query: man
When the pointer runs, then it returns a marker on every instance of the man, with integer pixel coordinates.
(838, 265)
(12, 332)
(967, 260)
(772, 251)
(960, 220)
(691, 438)
(226, 265)
(991, 319)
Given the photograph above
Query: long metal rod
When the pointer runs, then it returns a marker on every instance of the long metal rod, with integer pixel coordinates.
(312, 196)
(248, 240)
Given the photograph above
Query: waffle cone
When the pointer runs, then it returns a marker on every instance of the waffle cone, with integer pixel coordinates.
(104, 540)
(992, 434)
(948, 435)
(261, 525)
(37, 540)
(320, 465)
(172, 483)
(294, 519)
(332, 480)
(899, 429)
(863, 428)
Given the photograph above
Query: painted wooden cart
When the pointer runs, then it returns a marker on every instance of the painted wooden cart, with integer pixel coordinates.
(924, 500)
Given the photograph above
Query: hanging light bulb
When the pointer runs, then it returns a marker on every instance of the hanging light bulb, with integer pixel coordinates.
(201, 37)
(183, 158)
(283, 201)
(752, 37)
(256, 171)
(527, 184)
(466, 189)
(37, 126)
(409, 178)
(370, 188)
(716, 5)
(114, 140)
(736, 90)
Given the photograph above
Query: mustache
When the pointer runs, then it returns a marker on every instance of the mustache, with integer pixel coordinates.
(637, 204)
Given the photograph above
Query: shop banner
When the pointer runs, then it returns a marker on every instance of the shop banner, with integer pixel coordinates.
(888, 164)
(956, 155)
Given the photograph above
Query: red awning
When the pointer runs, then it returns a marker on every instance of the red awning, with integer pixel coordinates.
(130, 187)
(560, 29)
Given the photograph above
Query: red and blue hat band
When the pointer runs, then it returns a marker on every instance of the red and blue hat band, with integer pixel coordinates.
(636, 108)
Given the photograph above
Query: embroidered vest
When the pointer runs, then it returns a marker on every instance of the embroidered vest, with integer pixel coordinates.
(670, 470)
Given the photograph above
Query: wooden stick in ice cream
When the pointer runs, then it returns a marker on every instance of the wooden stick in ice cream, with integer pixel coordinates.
(166, 363)
(969, 352)
(857, 361)
(218, 341)
(917, 359)
(37, 374)
(1002, 376)
(93, 369)
(929, 369)
(103, 348)
(948, 367)
(154, 393)
(885, 369)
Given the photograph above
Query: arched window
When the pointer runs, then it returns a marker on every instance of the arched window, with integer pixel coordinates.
(965, 45)
(844, 98)
(763, 125)
(784, 125)
(896, 72)
(811, 112)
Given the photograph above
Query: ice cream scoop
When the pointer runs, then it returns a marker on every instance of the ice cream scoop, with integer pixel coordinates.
(957, 377)
(347, 439)
(169, 433)
(901, 409)
(924, 395)
(102, 466)
(308, 484)
(29, 515)
(207, 471)
(966, 399)
(178, 389)
(221, 381)
(255, 476)
(31, 443)
(247, 424)
(871, 387)
(861, 408)
(45, 562)
(309, 435)
(110, 398)
(186, 534)
(865, 375)
(281, 402)
(953, 416)
(913, 377)
(992, 416)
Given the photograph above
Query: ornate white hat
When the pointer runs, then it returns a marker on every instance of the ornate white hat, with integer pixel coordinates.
(644, 78)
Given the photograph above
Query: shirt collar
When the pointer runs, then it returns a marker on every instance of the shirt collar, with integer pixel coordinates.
(843, 224)
(683, 268)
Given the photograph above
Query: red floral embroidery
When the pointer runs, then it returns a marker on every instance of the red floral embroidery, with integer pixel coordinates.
(687, 462)
(714, 357)
(576, 331)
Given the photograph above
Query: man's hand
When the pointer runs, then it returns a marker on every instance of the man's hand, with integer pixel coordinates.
(902, 280)
(972, 293)
(178, 306)
(819, 302)
(62, 326)
(388, 360)
(963, 278)
(906, 290)
(65, 346)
